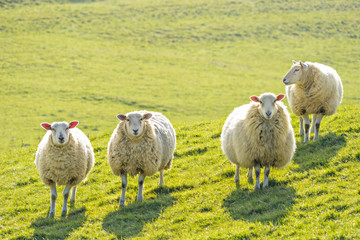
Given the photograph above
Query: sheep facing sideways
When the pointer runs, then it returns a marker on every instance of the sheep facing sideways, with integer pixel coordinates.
(142, 143)
(64, 157)
(312, 88)
(259, 134)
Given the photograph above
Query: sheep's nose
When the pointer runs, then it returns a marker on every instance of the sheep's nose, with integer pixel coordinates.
(268, 114)
(61, 139)
(136, 131)
(284, 80)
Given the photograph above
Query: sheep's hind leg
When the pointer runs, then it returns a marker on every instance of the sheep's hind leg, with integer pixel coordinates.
(301, 120)
(140, 196)
(317, 125)
(250, 173)
(161, 182)
(66, 197)
(257, 174)
(307, 128)
(266, 176)
(123, 189)
(237, 174)
(73, 195)
(52, 200)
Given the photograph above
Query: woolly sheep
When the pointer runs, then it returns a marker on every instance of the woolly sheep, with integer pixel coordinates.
(64, 157)
(259, 134)
(142, 143)
(312, 88)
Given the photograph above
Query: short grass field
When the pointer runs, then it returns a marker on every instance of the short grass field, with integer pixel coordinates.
(194, 61)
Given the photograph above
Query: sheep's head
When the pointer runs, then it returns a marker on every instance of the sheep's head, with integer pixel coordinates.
(134, 123)
(60, 131)
(267, 101)
(295, 74)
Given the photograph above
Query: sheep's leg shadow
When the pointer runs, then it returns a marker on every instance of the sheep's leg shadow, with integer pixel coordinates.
(317, 125)
(257, 174)
(123, 189)
(140, 196)
(66, 197)
(52, 200)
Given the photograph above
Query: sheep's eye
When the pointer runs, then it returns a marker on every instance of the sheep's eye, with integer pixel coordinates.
(261, 102)
(67, 128)
(141, 119)
(296, 70)
(128, 120)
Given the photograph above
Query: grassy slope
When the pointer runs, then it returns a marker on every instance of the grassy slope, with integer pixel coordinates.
(317, 196)
(192, 60)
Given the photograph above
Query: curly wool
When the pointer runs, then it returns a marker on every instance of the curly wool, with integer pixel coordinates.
(249, 139)
(150, 153)
(66, 165)
(321, 92)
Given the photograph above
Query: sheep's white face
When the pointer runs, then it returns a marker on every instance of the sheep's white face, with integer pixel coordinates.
(268, 107)
(134, 124)
(60, 131)
(294, 75)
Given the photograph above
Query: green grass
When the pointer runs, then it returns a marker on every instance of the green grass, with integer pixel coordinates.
(191, 60)
(316, 197)
(194, 61)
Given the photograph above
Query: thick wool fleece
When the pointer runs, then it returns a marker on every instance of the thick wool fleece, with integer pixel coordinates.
(320, 92)
(65, 165)
(151, 152)
(249, 139)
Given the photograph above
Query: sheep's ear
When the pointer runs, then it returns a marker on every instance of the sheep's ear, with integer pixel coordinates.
(294, 62)
(46, 126)
(280, 97)
(121, 117)
(304, 65)
(254, 99)
(147, 116)
(73, 124)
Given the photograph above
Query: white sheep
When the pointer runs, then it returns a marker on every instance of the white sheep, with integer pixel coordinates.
(259, 134)
(312, 88)
(64, 157)
(142, 143)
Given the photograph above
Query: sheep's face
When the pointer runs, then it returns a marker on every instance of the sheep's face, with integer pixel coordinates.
(267, 104)
(295, 74)
(60, 131)
(134, 123)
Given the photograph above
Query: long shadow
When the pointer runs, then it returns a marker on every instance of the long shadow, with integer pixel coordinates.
(129, 221)
(318, 153)
(266, 205)
(59, 228)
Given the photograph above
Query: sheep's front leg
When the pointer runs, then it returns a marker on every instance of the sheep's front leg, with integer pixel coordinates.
(140, 196)
(257, 174)
(73, 194)
(301, 120)
(123, 189)
(161, 178)
(266, 176)
(66, 197)
(307, 127)
(250, 173)
(312, 129)
(237, 174)
(52, 200)
(317, 125)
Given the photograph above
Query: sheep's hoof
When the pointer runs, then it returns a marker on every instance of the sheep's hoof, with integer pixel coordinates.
(306, 140)
(122, 203)
(52, 214)
(63, 213)
(265, 185)
(257, 187)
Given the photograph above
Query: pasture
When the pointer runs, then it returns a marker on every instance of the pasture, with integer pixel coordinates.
(194, 61)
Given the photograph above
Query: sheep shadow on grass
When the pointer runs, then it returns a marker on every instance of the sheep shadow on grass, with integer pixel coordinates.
(317, 153)
(129, 221)
(266, 205)
(59, 227)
